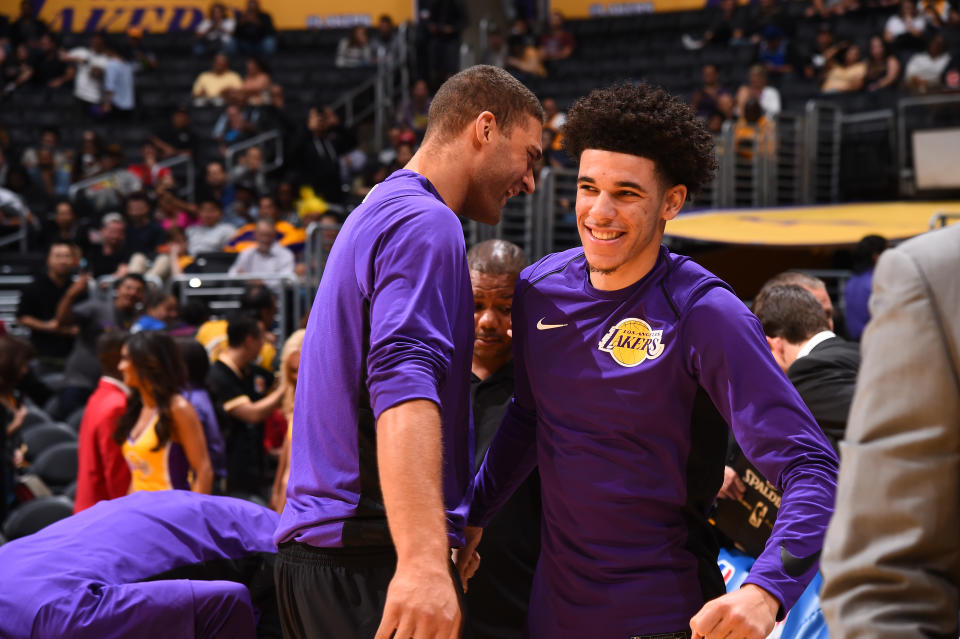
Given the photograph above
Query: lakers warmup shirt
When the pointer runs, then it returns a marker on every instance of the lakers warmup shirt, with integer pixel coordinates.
(392, 322)
(605, 387)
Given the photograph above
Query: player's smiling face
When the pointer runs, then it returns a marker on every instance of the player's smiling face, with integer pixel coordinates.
(622, 208)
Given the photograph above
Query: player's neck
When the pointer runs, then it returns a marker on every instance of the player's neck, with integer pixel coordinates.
(626, 274)
(446, 174)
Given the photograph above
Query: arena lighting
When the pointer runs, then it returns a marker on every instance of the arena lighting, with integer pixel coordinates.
(194, 282)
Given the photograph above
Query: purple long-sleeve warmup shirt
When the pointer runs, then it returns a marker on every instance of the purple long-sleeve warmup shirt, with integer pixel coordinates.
(605, 388)
(392, 322)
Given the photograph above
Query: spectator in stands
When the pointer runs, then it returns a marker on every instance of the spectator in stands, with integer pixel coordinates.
(754, 133)
(216, 186)
(774, 52)
(143, 234)
(275, 115)
(267, 257)
(848, 73)
(822, 366)
(176, 138)
(66, 229)
(215, 33)
(385, 39)
(523, 58)
(141, 59)
(147, 170)
(161, 436)
(198, 394)
(119, 92)
(813, 285)
(726, 27)
(557, 43)
(4, 168)
(28, 28)
(89, 156)
(883, 68)
(707, 100)
(924, 70)
(212, 233)
(255, 34)
(110, 255)
(48, 179)
(904, 30)
(757, 87)
(318, 156)
(160, 312)
(16, 70)
(290, 363)
(260, 303)
(938, 13)
(354, 49)
(232, 127)
(173, 212)
(239, 386)
(500, 589)
(767, 13)
(210, 86)
(91, 66)
(38, 307)
(116, 184)
(15, 357)
(416, 110)
(255, 87)
(441, 22)
(287, 203)
(856, 291)
(50, 140)
(102, 472)
(92, 318)
(495, 53)
(250, 170)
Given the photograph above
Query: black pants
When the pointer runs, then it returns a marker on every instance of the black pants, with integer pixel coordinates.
(336, 593)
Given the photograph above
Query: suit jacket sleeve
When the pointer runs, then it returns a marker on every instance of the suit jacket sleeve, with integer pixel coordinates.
(891, 561)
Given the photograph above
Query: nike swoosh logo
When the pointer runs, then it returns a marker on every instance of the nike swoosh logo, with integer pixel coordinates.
(545, 327)
(797, 566)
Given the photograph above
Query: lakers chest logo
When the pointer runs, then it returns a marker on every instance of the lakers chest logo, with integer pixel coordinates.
(631, 342)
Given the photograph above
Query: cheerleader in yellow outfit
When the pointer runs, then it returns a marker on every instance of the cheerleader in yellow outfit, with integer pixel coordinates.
(161, 436)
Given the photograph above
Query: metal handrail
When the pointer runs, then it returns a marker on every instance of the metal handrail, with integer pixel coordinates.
(90, 181)
(314, 255)
(256, 140)
(170, 163)
(903, 104)
(21, 234)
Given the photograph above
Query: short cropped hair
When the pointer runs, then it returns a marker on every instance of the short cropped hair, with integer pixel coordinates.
(477, 89)
(109, 345)
(648, 122)
(497, 257)
(241, 326)
(793, 278)
(790, 312)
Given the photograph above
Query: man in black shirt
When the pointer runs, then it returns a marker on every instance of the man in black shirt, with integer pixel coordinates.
(500, 590)
(111, 255)
(178, 137)
(38, 306)
(240, 387)
(143, 233)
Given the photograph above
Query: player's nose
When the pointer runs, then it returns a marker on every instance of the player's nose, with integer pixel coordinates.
(602, 210)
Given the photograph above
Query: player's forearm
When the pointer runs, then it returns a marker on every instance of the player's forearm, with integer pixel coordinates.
(410, 461)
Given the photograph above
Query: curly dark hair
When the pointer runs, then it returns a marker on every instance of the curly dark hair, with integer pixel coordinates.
(648, 122)
(160, 366)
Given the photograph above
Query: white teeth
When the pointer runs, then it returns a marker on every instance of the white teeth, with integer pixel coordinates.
(604, 235)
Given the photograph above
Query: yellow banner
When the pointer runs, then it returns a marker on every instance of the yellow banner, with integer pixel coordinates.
(156, 16)
(592, 8)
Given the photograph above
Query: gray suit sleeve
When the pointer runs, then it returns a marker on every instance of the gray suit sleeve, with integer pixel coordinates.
(891, 563)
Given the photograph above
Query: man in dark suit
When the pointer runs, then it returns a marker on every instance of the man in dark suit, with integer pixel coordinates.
(822, 366)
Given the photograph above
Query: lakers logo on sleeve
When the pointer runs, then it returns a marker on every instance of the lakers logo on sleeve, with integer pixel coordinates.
(631, 342)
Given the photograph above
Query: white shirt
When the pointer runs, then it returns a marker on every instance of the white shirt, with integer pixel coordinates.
(85, 86)
(896, 26)
(278, 261)
(770, 101)
(928, 69)
(208, 239)
(814, 341)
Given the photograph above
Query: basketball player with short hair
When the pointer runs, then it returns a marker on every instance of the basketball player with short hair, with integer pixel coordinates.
(612, 343)
(382, 425)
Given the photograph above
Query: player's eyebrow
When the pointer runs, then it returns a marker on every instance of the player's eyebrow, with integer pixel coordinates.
(623, 184)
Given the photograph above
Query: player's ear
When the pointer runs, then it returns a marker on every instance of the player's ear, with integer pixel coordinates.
(673, 201)
(484, 127)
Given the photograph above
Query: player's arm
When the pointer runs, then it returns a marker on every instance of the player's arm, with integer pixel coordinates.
(416, 287)
(728, 354)
(890, 564)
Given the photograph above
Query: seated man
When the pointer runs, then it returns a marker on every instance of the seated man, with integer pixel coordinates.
(38, 306)
(210, 86)
(127, 568)
(267, 257)
(257, 301)
(212, 233)
(822, 366)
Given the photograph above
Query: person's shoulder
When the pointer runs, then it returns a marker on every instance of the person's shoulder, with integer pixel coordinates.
(554, 264)
(687, 284)
(407, 205)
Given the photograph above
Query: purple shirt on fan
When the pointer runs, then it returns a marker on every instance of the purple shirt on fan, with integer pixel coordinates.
(606, 383)
(392, 322)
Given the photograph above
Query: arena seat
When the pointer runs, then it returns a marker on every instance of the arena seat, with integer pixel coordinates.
(36, 515)
(57, 466)
(40, 437)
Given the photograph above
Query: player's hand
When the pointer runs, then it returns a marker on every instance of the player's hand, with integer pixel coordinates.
(747, 613)
(467, 559)
(421, 604)
(732, 487)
